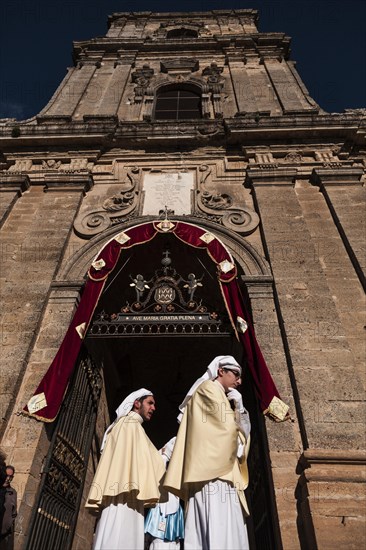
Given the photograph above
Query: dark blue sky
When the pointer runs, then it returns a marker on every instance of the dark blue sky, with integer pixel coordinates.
(328, 43)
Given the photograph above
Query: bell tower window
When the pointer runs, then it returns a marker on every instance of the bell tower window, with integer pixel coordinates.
(182, 33)
(177, 104)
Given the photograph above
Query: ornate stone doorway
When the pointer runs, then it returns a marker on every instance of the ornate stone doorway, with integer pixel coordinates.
(157, 324)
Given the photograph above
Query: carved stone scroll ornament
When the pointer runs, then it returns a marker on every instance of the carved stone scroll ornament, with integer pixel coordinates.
(219, 207)
(114, 209)
(216, 201)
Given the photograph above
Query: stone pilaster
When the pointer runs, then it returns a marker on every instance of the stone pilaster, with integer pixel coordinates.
(284, 439)
(317, 351)
(290, 94)
(112, 93)
(68, 96)
(244, 94)
(332, 241)
(345, 196)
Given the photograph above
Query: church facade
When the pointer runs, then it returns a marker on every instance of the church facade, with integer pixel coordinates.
(201, 120)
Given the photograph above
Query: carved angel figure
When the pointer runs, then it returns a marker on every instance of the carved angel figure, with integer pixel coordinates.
(192, 285)
(140, 285)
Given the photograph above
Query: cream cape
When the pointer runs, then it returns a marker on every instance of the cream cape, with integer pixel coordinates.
(206, 445)
(130, 465)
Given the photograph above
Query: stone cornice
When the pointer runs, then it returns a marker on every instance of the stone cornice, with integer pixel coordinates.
(19, 182)
(160, 132)
(277, 175)
(298, 126)
(261, 44)
(259, 286)
(342, 175)
(250, 129)
(67, 182)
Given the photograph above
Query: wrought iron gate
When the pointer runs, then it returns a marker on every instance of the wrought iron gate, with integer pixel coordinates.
(54, 518)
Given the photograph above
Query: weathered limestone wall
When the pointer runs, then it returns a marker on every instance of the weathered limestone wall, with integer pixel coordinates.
(346, 203)
(335, 481)
(309, 337)
(142, 25)
(110, 97)
(105, 87)
(318, 347)
(32, 242)
(289, 93)
(252, 86)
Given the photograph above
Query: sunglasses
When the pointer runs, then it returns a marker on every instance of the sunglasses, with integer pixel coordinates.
(235, 373)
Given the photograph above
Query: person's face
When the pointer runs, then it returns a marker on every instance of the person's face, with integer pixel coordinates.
(9, 477)
(146, 408)
(229, 379)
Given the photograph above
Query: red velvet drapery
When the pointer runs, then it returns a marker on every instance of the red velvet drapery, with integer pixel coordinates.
(47, 399)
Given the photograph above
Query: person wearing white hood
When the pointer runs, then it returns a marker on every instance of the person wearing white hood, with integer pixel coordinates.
(208, 467)
(127, 478)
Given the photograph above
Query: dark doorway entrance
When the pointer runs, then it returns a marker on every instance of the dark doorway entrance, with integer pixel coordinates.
(166, 366)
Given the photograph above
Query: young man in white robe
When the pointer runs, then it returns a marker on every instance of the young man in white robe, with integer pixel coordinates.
(208, 467)
(127, 478)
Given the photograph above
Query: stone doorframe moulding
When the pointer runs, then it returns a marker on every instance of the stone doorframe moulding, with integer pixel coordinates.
(253, 264)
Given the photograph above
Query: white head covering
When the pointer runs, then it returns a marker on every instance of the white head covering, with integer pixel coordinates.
(124, 408)
(223, 361)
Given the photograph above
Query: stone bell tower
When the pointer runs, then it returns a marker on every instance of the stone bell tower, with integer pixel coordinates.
(204, 117)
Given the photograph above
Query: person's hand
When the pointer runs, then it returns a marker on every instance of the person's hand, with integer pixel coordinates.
(242, 415)
(236, 396)
(167, 450)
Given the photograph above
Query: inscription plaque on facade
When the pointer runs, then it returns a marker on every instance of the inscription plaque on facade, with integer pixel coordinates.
(168, 189)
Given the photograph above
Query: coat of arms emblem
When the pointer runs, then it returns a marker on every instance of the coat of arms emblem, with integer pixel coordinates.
(164, 295)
